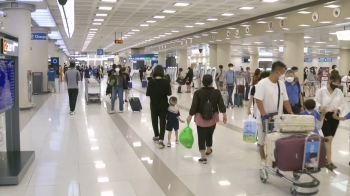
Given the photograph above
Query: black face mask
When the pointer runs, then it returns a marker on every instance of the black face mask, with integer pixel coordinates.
(333, 86)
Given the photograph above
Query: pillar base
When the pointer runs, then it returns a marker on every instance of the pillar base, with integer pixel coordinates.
(27, 107)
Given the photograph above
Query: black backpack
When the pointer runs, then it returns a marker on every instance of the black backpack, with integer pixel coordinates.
(207, 110)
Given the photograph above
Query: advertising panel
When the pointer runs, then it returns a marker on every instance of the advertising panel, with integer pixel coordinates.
(7, 84)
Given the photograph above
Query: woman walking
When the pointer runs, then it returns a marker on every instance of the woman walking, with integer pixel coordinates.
(188, 79)
(204, 99)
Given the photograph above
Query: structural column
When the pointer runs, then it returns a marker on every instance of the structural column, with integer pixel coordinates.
(18, 23)
(213, 56)
(162, 58)
(182, 58)
(223, 55)
(254, 62)
(344, 62)
(293, 52)
(39, 53)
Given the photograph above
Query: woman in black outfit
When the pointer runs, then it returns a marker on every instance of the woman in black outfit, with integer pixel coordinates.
(205, 128)
(188, 79)
(158, 90)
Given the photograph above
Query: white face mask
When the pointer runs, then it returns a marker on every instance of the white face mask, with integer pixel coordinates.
(231, 68)
(117, 70)
(289, 79)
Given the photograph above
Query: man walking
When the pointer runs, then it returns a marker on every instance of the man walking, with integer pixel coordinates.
(248, 80)
(51, 76)
(230, 81)
(72, 77)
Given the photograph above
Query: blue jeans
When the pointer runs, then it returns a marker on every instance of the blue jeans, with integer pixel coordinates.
(118, 90)
(230, 92)
(247, 89)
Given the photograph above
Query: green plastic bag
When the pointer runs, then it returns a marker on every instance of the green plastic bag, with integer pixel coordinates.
(186, 137)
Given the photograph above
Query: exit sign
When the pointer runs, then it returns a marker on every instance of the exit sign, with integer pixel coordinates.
(118, 41)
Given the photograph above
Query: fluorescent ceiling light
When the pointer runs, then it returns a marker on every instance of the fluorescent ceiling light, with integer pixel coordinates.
(320, 42)
(162, 35)
(174, 31)
(347, 18)
(131, 33)
(212, 19)
(227, 14)
(127, 35)
(246, 8)
(43, 18)
(91, 34)
(68, 17)
(55, 35)
(280, 18)
(214, 32)
(335, 33)
(156, 37)
(101, 14)
(231, 28)
(167, 33)
(158, 16)
(304, 25)
(169, 11)
(343, 35)
(144, 25)
(245, 25)
(135, 30)
(89, 38)
(199, 23)
(96, 23)
(188, 26)
(326, 22)
(332, 6)
(258, 42)
(269, 31)
(219, 40)
(98, 20)
(304, 12)
(261, 22)
(109, 0)
(269, 1)
(151, 21)
(105, 8)
(307, 37)
(93, 29)
(181, 4)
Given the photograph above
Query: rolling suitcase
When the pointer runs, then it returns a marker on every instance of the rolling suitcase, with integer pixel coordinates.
(144, 83)
(289, 152)
(238, 97)
(240, 89)
(287, 123)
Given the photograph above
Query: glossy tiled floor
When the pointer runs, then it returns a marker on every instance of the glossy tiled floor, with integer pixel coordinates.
(96, 154)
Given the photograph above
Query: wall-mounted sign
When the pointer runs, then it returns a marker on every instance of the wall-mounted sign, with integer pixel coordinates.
(39, 36)
(325, 60)
(9, 47)
(118, 41)
(144, 57)
(280, 49)
(100, 52)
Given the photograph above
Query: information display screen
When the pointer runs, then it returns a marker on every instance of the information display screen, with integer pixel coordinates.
(245, 59)
(308, 60)
(7, 84)
(327, 60)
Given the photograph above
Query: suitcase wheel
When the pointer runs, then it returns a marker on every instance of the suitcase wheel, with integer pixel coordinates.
(296, 176)
(293, 191)
(263, 175)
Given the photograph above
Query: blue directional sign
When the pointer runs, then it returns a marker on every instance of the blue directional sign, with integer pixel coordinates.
(100, 52)
(39, 36)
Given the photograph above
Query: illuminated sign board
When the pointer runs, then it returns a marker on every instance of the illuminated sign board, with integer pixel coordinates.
(39, 36)
(9, 47)
(118, 41)
(343, 35)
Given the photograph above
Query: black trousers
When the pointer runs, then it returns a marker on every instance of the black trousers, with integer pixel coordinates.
(160, 113)
(330, 125)
(296, 109)
(73, 95)
(205, 136)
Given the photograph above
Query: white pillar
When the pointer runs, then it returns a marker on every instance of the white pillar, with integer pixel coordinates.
(161, 58)
(213, 56)
(182, 58)
(254, 62)
(40, 53)
(223, 55)
(18, 23)
(344, 62)
(293, 52)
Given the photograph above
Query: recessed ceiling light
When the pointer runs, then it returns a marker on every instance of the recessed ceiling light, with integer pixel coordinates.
(280, 18)
(246, 8)
(331, 45)
(326, 22)
(269, 1)
(320, 42)
(151, 21)
(96, 23)
(162, 35)
(98, 20)
(181, 4)
(304, 12)
(127, 35)
(156, 37)
(105, 8)
(199, 23)
(347, 18)
(261, 22)
(93, 29)
(214, 32)
(91, 34)
(169, 11)
(281, 40)
(212, 19)
(304, 25)
(88, 38)
(258, 42)
(188, 26)
(101, 14)
(245, 25)
(174, 31)
(144, 25)
(219, 40)
(227, 14)
(228, 38)
(109, 0)
(307, 37)
(269, 31)
(231, 28)
(333, 33)
(332, 6)
(135, 30)
(167, 33)
(131, 33)
(158, 16)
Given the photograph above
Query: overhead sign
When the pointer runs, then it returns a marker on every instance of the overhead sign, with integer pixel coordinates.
(118, 41)
(9, 47)
(144, 57)
(280, 49)
(100, 52)
(39, 36)
(55, 61)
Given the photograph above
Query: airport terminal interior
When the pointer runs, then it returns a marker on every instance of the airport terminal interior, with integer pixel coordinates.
(46, 149)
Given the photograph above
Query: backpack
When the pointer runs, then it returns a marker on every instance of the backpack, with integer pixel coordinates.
(207, 110)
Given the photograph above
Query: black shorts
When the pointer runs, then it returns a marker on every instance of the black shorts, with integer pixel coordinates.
(330, 125)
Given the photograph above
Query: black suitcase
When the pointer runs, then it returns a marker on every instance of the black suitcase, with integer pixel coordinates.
(135, 104)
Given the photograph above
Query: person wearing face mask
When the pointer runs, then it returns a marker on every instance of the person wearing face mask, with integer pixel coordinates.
(295, 70)
(331, 102)
(118, 83)
(230, 81)
(312, 78)
(294, 93)
(334, 69)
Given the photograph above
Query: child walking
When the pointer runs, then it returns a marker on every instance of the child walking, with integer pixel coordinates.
(310, 106)
(173, 119)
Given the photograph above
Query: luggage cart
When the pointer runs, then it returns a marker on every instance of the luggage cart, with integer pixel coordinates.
(298, 188)
(92, 90)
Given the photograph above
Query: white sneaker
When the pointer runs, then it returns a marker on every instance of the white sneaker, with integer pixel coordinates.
(72, 113)
(112, 112)
(120, 111)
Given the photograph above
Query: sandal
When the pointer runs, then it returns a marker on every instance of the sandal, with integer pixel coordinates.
(208, 153)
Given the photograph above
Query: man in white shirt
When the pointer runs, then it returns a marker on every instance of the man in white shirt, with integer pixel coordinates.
(270, 96)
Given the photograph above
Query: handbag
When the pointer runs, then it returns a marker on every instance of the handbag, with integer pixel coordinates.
(180, 81)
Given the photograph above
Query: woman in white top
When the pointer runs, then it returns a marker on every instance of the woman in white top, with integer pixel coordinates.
(312, 80)
(330, 101)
